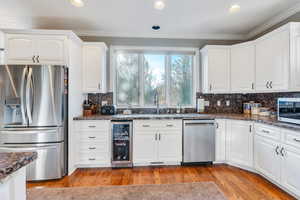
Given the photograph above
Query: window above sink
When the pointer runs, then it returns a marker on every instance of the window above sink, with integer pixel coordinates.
(141, 73)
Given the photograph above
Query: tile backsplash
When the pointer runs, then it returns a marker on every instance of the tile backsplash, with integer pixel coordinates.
(236, 102)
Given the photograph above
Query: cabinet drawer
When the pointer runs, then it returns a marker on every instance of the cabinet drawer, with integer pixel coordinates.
(291, 137)
(268, 131)
(94, 158)
(93, 136)
(157, 124)
(95, 125)
(93, 147)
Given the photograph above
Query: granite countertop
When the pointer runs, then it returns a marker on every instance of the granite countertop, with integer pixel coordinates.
(11, 162)
(265, 120)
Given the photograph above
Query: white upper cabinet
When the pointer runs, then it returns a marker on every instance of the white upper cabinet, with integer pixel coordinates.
(94, 67)
(51, 50)
(243, 67)
(35, 49)
(19, 49)
(239, 145)
(216, 69)
(294, 56)
(272, 61)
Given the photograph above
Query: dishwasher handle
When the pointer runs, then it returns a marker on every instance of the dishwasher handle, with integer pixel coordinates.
(199, 122)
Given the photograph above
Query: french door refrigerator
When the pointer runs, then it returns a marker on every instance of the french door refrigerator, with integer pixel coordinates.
(33, 117)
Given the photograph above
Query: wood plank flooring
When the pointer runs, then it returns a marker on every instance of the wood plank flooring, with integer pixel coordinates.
(235, 183)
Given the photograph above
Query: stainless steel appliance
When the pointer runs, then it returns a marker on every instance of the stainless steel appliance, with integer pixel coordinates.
(289, 110)
(121, 144)
(33, 117)
(198, 141)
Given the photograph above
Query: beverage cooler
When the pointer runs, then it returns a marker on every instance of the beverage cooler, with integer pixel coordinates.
(121, 144)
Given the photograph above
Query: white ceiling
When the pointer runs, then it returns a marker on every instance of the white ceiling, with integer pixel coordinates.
(134, 18)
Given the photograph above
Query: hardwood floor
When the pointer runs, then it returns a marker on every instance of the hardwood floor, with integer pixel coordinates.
(235, 183)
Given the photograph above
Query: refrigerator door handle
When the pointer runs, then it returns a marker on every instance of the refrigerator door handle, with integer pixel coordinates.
(22, 95)
(28, 86)
(51, 84)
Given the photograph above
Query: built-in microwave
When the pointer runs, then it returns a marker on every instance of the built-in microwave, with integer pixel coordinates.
(289, 110)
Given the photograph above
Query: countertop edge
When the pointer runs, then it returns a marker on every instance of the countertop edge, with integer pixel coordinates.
(11, 162)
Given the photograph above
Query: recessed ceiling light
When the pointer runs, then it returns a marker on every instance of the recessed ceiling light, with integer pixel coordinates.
(159, 5)
(77, 3)
(234, 8)
(156, 27)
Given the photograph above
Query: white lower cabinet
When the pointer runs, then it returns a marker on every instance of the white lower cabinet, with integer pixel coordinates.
(220, 141)
(267, 158)
(290, 169)
(157, 142)
(145, 147)
(239, 143)
(93, 140)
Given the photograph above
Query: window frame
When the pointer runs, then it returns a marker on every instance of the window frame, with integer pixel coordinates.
(155, 50)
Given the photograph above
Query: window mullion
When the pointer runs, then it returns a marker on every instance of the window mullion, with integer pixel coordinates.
(141, 79)
(168, 75)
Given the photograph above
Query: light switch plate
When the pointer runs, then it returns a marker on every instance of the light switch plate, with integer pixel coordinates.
(227, 103)
(219, 103)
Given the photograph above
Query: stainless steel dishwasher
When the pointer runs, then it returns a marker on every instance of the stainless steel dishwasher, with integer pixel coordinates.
(198, 141)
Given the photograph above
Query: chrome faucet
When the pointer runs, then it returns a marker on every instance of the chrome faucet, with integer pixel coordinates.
(156, 101)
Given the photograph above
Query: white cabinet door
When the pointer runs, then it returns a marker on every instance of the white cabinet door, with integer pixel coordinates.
(170, 147)
(144, 147)
(267, 159)
(295, 57)
(51, 50)
(240, 143)
(243, 67)
(94, 68)
(19, 49)
(272, 61)
(216, 69)
(290, 177)
(220, 140)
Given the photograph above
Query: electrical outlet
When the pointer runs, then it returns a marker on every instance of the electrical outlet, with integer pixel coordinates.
(103, 103)
(227, 103)
(219, 103)
(206, 103)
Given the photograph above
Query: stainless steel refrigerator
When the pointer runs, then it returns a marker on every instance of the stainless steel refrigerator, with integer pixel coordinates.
(33, 117)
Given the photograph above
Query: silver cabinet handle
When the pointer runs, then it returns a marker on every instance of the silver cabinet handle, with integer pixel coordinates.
(210, 87)
(92, 159)
(92, 148)
(267, 85)
(92, 126)
(250, 128)
(264, 131)
(282, 152)
(99, 86)
(252, 86)
(146, 125)
(276, 150)
(2, 49)
(92, 137)
(296, 140)
(159, 136)
(155, 136)
(37, 59)
(33, 59)
(170, 125)
(217, 125)
(271, 84)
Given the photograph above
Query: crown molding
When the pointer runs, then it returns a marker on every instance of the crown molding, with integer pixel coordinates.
(162, 35)
(273, 21)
